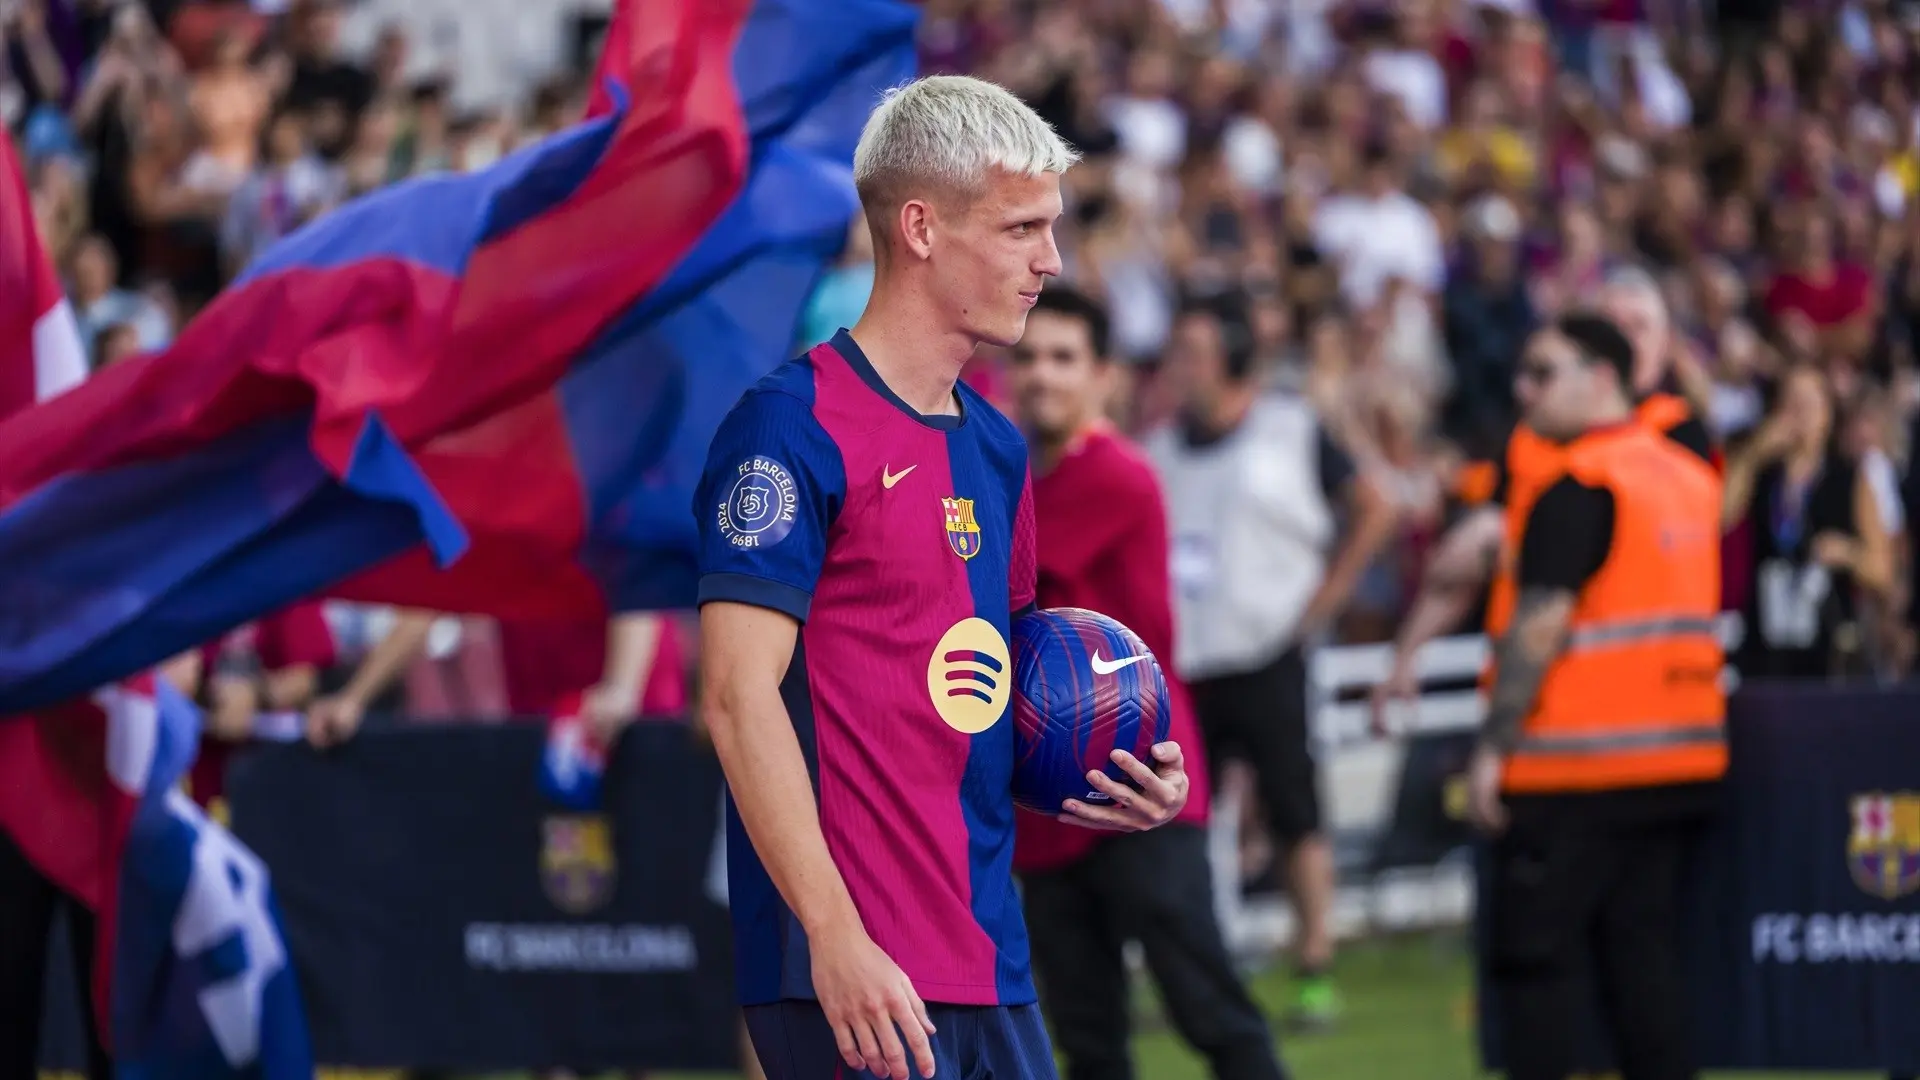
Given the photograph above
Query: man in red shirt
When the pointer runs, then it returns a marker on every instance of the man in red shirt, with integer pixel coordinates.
(1103, 546)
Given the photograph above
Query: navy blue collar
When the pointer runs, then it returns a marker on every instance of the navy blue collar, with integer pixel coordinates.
(843, 344)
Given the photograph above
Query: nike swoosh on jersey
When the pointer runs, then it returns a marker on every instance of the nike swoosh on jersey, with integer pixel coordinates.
(1108, 667)
(888, 479)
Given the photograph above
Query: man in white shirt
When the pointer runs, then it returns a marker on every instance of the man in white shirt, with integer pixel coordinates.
(1378, 233)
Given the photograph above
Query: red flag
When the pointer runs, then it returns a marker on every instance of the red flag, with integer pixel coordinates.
(40, 350)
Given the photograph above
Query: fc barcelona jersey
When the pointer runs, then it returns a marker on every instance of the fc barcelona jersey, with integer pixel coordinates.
(903, 544)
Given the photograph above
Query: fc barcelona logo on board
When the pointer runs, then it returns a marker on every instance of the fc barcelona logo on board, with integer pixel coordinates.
(1883, 855)
(963, 533)
(576, 862)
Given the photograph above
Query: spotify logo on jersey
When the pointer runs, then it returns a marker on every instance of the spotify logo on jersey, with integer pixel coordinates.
(969, 676)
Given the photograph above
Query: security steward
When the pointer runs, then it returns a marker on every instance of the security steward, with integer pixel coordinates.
(1605, 730)
(1474, 560)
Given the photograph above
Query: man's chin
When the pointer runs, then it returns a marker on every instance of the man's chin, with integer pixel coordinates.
(1004, 334)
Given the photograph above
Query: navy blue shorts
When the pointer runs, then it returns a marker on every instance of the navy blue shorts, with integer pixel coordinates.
(972, 1042)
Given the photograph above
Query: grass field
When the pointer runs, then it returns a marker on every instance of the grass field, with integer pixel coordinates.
(1409, 1017)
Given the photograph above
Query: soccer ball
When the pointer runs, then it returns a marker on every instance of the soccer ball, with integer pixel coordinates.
(1084, 686)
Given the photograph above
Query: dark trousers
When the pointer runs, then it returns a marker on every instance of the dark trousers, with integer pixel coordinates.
(28, 903)
(1594, 880)
(1155, 888)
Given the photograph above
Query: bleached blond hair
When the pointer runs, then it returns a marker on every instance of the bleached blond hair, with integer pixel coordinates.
(945, 133)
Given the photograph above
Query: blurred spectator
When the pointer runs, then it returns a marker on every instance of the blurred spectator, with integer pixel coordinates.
(39, 74)
(1489, 316)
(840, 298)
(424, 145)
(1825, 306)
(271, 665)
(231, 102)
(1255, 488)
(114, 343)
(328, 88)
(1376, 232)
(100, 304)
(291, 187)
(1817, 535)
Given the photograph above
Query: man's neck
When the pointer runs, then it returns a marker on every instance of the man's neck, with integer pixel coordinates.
(1221, 416)
(1047, 450)
(913, 356)
(1611, 417)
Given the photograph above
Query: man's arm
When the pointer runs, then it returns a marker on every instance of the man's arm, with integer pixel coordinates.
(633, 639)
(1567, 538)
(1533, 640)
(745, 650)
(864, 994)
(1460, 568)
(334, 719)
(767, 500)
(1456, 574)
(1371, 527)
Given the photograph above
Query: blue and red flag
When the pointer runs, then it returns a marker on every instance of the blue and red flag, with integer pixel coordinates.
(191, 976)
(266, 456)
(269, 454)
(578, 502)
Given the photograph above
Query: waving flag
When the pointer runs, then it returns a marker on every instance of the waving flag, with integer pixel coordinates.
(191, 980)
(40, 350)
(602, 470)
(266, 455)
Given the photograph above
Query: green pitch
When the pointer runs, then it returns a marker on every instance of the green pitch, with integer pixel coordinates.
(1409, 1014)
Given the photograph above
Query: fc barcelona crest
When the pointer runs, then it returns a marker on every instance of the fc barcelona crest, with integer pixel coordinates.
(576, 862)
(1883, 854)
(963, 533)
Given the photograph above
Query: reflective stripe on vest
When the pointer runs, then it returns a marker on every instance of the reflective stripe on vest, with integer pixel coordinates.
(1683, 733)
(1639, 632)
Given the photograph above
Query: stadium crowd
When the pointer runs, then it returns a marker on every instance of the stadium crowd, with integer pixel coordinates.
(1370, 204)
(1394, 193)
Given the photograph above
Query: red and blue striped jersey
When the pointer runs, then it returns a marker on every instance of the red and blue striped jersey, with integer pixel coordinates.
(903, 544)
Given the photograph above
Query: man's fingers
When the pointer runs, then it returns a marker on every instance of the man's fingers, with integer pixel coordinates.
(849, 1046)
(1099, 817)
(1141, 772)
(912, 1018)
(869, 1046)
(1121, 794)
(893, 1055)
(920, 1010)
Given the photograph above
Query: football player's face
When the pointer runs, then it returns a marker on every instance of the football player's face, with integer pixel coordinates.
(997, 254)
(1059, 384)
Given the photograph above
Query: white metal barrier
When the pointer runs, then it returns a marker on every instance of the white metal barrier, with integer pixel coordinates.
(1359, 776)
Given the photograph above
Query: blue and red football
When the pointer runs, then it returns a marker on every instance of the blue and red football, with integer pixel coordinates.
(1084, 686)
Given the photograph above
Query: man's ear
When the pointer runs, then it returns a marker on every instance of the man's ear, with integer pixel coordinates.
(917, 227)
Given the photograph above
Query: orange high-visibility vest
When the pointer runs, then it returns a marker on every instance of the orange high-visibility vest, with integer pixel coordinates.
(1533, 464)
(1634, 699)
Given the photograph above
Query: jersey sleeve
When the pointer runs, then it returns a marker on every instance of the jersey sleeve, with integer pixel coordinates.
(1023, 569)
(773, 484)
(1693, 435)
(1568, 536)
